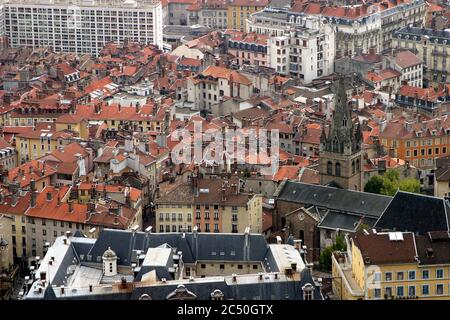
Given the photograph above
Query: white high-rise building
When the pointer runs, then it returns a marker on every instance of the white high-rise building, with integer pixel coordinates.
(81, 26)
(304, 52)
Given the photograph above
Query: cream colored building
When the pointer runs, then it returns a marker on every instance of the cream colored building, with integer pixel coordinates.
(431, 46)
(442, 177)
(212, 206)
(393, 265)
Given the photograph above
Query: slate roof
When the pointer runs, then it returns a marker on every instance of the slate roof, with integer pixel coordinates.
(202, 246)
(360, 203)
(415, 213)
(194, 246)
(345, 222)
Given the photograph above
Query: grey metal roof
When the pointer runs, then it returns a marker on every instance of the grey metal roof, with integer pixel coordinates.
(200, 246)
(415, 213)
(194, 246)
(417, 34)
(341, 221)
(270, 290)
(361, 203)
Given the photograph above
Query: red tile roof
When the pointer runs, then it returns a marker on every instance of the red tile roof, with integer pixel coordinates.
(38, 169)
(249, 3)
(406, 59)
(231, 75)
(52, 210)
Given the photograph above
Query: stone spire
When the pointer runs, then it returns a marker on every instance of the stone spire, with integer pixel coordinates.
(344, 136)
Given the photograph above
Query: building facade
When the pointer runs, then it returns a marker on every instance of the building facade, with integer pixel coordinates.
(393, 265)
(431, 46)
(212, 206)
(359, 28)
(250, 48)
(81, 26)
(305, 52)
(240, 10)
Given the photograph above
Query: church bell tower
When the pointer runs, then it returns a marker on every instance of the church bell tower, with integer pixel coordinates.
(340, 156)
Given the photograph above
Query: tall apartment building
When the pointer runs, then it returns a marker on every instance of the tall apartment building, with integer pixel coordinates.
(432, 46)
(359, 27)
(81, 26)
(306, 52)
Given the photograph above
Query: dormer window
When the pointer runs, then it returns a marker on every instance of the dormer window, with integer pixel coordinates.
(308, 291)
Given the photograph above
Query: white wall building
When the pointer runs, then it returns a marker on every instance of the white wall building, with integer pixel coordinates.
(81, 26)
(305, 52)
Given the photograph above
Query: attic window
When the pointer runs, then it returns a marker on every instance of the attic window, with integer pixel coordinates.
(99, 259)
(213, 253)
(233, 253)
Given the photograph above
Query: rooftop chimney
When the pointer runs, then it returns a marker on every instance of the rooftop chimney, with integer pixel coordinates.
(32, 184)
(70, 205)
(33, 199)
(15, 194)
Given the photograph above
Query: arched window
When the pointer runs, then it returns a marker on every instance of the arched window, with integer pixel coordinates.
(338, 169)
(301, 236)
(283, 222)
(329, 168)
(344, 122)
(335, 144)
(353, 167)
(357, 165)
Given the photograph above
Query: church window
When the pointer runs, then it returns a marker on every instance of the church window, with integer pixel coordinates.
(353, 167)
(338, 169)
(329, 168)
(344, 122)
(335, 144)
(357, 165)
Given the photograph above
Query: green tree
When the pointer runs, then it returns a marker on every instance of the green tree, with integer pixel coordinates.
(410, 185)
(374, 185)
(325, 255)
(390, 182)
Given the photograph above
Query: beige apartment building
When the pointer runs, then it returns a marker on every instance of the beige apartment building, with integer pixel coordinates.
(431, 46)
(210, 205)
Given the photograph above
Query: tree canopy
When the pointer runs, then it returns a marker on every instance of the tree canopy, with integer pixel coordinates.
(390, 182)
